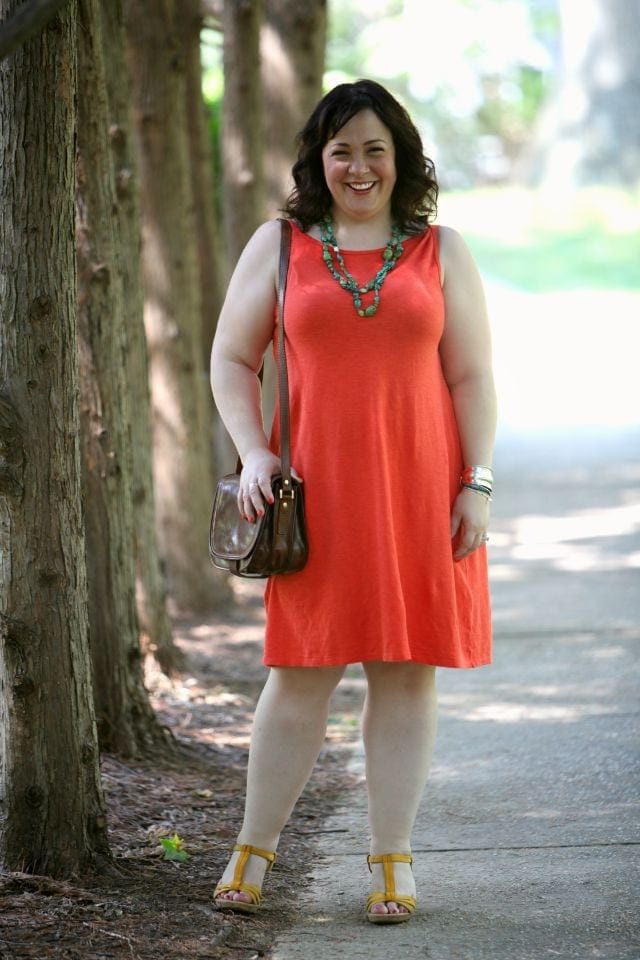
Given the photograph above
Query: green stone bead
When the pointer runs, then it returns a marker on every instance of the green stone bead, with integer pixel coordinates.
(361, 313)
(369, 312)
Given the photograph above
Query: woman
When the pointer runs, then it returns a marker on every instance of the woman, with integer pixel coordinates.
(392, 428)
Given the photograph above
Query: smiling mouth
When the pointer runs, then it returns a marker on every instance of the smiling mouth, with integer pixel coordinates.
(362, 187)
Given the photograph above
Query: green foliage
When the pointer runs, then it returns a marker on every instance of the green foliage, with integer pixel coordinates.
(546, 260)
(472, 73)
(174, 848)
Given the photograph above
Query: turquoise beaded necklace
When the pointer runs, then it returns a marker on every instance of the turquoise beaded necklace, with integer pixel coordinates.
(338, 270)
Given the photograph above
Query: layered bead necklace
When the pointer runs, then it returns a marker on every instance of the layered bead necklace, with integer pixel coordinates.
(338, 270)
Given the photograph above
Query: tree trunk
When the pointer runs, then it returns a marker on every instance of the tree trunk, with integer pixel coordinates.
(53, 815)
(126, 723)
(242, 125)
(211, 266)
(590, 131)
(151, 591)
(181, 405)
(292, 48)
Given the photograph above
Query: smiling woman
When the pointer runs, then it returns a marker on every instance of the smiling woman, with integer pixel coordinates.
(392, 423)
(359, 167)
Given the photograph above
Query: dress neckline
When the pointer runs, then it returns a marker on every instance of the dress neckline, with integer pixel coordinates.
(348, 252)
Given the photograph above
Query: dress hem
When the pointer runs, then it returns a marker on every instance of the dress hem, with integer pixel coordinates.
(470, 665)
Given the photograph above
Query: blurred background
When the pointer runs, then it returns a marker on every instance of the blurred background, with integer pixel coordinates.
(529, 109)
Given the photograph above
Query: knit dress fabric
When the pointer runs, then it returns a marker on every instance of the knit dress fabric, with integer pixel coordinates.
(375, 439)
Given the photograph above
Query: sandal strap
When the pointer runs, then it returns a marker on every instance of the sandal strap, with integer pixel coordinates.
(387, 860)
(254, 892)
(247, 850)
(379, 897)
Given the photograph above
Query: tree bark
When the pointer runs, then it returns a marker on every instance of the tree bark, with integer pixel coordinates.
(29, 19)
(52, 817)
(181, 405)
(242, 125)
(153, 619)
(126, 722)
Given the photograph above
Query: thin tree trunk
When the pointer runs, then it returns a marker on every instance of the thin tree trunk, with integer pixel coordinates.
(53, 813)
(242, 124)
(589, 132)
(181, 403)
(153, 619)
(126, 723)
(292, 48)
(211, 265)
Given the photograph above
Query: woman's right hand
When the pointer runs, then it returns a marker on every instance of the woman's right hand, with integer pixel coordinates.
(258, 467)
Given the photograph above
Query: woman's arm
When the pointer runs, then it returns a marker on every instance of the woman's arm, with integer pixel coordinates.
(244, 331)
(465, 350)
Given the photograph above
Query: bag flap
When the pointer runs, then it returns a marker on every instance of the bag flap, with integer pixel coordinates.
(231, 537)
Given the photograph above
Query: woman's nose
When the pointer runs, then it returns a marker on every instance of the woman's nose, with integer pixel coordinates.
(359, 164)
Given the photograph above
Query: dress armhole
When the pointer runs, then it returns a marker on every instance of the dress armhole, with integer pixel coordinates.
(436, 251)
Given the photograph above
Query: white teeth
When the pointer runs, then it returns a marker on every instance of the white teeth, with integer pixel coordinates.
(361, 186)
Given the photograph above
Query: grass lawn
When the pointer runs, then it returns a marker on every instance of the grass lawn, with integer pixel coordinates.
(537, 242)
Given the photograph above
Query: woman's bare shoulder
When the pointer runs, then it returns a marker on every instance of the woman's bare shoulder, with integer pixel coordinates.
(455, 256)
(266, 239)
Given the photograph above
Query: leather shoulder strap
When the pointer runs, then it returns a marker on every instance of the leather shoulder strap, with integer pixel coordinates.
(283, 378)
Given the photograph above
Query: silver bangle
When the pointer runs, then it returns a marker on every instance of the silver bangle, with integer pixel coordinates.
(479, 488)
(477, 474)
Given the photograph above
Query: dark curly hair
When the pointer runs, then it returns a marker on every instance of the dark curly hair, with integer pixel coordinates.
(415, 194)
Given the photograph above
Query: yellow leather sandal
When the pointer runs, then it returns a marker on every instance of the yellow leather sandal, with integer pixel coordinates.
(243, 906)
(387, 860)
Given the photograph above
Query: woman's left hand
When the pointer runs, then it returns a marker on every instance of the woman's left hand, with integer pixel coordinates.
(469, 518)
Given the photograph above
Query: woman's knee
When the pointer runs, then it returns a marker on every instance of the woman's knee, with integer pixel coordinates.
(307, 684)
(404, 680)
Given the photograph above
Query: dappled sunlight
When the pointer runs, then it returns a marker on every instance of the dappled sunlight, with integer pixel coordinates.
(505, 712)
(607, 653)
(585, 524)
(597, 539)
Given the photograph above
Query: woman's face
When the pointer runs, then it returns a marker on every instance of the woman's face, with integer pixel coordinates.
(360, 168)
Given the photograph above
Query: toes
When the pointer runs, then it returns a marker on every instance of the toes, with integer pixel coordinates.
(234, 895)
(392, 907)
(379, 908)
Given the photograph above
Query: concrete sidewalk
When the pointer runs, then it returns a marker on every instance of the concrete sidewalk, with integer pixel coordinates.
(527, 842)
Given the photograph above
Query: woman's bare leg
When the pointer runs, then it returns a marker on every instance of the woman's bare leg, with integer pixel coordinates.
(399, 728)
(288, 732)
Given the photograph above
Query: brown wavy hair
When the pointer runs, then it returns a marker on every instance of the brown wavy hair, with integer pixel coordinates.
(415, 194)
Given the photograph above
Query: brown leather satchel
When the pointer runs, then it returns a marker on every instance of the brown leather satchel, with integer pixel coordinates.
(277, 541)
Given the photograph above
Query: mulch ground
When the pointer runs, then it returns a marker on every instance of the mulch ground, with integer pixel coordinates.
(147, 907)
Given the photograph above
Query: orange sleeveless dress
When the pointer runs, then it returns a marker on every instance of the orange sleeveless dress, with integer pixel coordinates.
(374, 437)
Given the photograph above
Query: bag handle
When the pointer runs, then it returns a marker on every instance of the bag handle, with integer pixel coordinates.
(283, 377)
